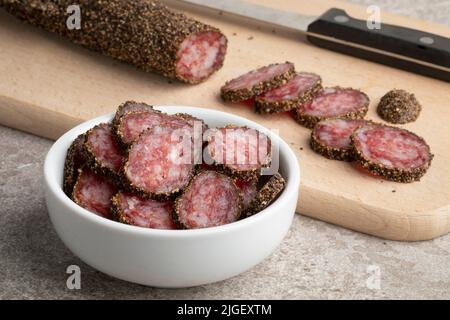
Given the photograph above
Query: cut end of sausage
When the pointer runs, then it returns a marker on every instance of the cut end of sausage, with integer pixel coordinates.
(393, 153)
(298, 90)
(257, 81)
(331, 138)
(159, 162)
(102, 150)
(200, 55)
(211, 199)
(133, 123)
(335, 102)
(130, 106)
(240, 152)
(93, 192)
(147, 213)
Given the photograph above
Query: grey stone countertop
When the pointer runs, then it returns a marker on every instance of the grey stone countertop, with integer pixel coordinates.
(315, 261)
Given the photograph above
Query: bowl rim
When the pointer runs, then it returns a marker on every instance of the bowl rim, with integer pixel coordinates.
(53, 186)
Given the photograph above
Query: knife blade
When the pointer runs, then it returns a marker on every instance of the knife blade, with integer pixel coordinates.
(404, 48)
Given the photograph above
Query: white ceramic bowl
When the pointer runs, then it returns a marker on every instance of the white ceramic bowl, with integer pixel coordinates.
(170, 258)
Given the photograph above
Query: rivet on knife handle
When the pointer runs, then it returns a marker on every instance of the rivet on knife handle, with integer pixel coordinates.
(404, 48)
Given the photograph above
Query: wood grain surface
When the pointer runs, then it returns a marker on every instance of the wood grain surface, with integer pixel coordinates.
(48, 85)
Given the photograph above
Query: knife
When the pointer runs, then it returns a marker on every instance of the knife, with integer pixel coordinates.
(404, 48)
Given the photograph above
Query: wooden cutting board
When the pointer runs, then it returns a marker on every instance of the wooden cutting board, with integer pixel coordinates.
(48, 85)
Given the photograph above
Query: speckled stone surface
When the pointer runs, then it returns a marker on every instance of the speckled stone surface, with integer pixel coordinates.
(315, 261)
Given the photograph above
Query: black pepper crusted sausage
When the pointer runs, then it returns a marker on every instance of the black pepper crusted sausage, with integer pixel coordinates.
(211, 199)
(266, 195)
(158, 165)
(133, 123)
(239, 152)
(144, 33)
(93, 191)
(331, 137)
(335, 102)
(130, 106)
(300, 89)
(131, 209)
(257, 81)
(75, 159)
(390, 152)
(249, 191)
(102, 151)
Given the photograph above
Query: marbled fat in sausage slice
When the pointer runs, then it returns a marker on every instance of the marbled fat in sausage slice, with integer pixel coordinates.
(130, 106)
(134, 210)
(93, 191)
(393, 153)
(200, 55)
(331, 138)
(103, 151)
(133, 123)
(240, 152)
(159, 163)
(211, 199)
(336, 102)
(298, 90)
(257, 81)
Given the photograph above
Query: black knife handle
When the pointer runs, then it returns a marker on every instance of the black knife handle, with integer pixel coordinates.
(408, 49)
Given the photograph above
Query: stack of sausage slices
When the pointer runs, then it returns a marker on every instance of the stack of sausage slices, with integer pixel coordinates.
(156, 170)
(336, 117)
